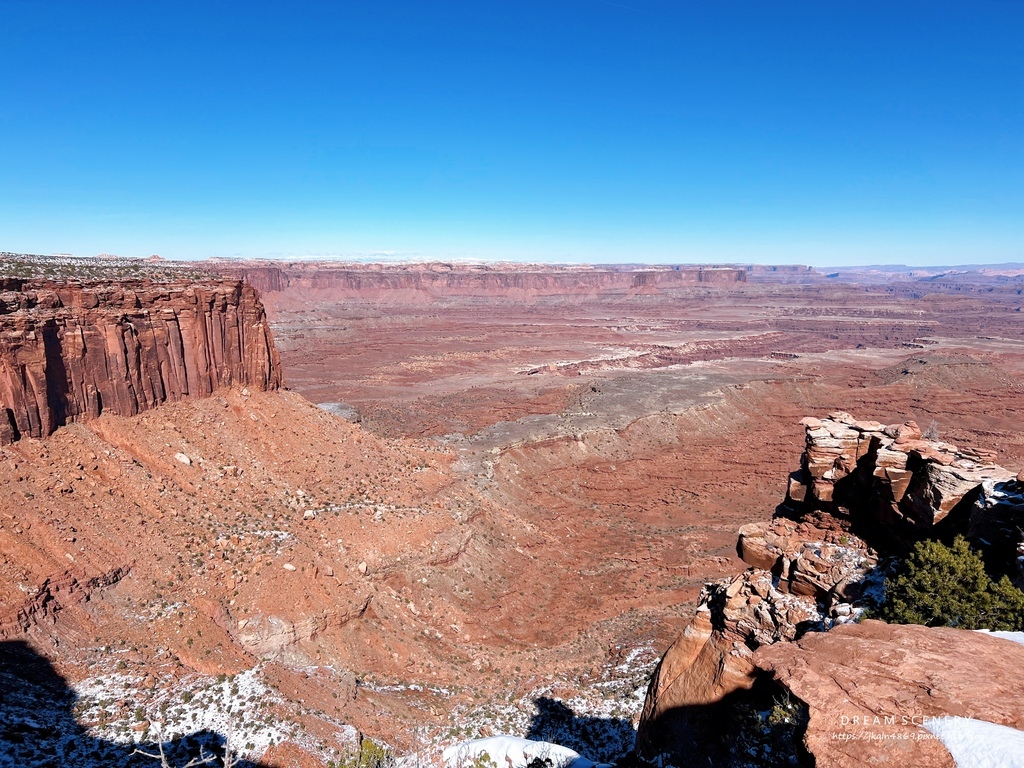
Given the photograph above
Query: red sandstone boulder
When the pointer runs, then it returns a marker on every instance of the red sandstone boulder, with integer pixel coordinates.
(870, 686)
(807, 560)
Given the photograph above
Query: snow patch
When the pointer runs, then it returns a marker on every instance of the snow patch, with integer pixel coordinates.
(1013, 637)
(979, 744)
(514, 752)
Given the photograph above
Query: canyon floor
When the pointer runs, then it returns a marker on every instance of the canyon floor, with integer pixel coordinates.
(632, 433)
(519, 523)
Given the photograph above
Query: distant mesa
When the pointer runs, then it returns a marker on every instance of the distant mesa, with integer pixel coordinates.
(432, 280)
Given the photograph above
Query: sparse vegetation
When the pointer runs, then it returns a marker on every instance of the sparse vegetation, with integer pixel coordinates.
(769, 737)
(21, 266)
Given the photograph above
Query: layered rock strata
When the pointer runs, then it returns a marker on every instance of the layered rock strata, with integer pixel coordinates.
(434, 280)
(888, 475)
(71, 351)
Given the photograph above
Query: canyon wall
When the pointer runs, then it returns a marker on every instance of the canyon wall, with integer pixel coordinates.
(73, 350)
(439, 279)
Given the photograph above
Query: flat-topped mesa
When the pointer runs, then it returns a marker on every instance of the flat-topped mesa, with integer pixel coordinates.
(73, 350)
(436, 280)
(889, 476)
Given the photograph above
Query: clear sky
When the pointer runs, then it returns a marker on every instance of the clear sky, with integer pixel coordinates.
(819, 132)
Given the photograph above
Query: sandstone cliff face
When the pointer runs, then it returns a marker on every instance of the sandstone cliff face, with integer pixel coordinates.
(71, 351)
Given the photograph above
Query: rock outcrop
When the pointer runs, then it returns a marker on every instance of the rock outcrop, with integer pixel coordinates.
(797, 585)
(871, 686)
(811, 572)
(72, 350)
(996, 525)
(711, 660)
(887, 477)
(827, 565)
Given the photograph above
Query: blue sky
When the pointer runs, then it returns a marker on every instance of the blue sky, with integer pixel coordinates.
(564, 130)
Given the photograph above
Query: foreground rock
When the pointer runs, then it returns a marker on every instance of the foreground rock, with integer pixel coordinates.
(803, 580)
(696, 681)
(870, 688)
(811, 572)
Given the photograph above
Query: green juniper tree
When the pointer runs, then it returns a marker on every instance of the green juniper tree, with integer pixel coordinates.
(942, 586)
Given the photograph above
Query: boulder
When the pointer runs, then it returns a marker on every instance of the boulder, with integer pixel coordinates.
(870, 687)
(805, 559)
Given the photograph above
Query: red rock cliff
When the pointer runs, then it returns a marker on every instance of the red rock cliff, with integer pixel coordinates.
(71, 351)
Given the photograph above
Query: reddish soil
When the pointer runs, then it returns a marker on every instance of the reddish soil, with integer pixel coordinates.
(536, 481)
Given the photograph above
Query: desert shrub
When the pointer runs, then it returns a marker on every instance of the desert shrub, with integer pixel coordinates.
(943, 586)
(483, 760)
(370, 754)
(763, 738)
(374, 755)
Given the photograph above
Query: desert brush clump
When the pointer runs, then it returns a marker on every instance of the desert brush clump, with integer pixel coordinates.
(369, 754)
(765, 731)
(948, 586)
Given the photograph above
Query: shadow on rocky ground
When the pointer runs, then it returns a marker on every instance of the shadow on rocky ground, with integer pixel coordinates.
(603, 739)
(38, 727)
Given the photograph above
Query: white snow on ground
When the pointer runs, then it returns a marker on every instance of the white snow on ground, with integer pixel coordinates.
(223, 705)
(1015, 637)
(116, 707)
(978, 744)
(513, 752)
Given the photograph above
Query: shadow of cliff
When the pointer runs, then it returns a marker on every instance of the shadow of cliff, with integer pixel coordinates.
(56, 377)
(763, 727)
(601, 739)
(38, 728)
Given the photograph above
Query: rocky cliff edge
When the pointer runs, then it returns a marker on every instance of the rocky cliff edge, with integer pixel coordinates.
(74, 350)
